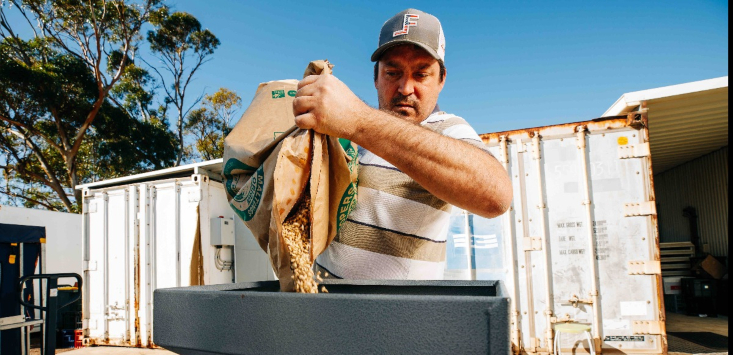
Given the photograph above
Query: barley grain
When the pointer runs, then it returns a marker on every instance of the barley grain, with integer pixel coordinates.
(296, 234)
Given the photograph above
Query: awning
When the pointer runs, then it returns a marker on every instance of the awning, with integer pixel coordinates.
(686, 121)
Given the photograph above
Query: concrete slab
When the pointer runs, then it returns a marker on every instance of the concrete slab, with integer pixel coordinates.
(109, 350)
(681, 323)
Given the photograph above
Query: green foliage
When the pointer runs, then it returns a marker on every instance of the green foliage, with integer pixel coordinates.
(211, 123)
(180, 32)
(57, 93)
(182, 46)
(74, 107)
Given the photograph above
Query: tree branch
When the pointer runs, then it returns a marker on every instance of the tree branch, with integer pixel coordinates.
(14, 195)
(162, 79)
(54, 184)
(32, 130)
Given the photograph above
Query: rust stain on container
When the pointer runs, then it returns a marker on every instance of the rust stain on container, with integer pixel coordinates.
(594, 125)
(642, 120)
(136, 331)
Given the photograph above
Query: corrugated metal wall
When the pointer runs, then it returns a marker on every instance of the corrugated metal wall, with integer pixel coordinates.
(701, 183)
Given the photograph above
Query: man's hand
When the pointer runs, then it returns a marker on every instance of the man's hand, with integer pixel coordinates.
(325, 104)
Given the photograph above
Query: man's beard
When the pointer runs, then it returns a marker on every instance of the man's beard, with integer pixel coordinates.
(400, 99)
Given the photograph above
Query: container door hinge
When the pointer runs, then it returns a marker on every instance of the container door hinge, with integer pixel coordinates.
(521, 147)
(534, 344)
(647, 208)
(90, 265)
(645, 267)
(634, 151)
(532, 243)
(651, 327)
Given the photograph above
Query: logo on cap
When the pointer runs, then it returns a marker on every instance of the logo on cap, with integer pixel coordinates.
(410, 20)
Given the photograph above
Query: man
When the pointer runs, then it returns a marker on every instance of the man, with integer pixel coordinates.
(414, 160)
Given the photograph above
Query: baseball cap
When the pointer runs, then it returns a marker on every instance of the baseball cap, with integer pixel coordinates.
(415, 27)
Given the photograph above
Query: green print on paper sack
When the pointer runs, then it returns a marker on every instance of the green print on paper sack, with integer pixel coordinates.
(246, 201)
(347, 204)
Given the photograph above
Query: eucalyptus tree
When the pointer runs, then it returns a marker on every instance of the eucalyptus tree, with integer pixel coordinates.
(68, 88)
(210, 123)
(183, 47)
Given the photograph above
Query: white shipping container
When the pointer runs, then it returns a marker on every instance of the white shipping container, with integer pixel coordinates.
(580, 242)
(139, 237)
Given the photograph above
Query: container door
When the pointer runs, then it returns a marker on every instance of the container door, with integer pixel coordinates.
(168, 233)
(94, 283)
(164, 242)
(625, 233)
(116, 264)
(107, 263)
(144, 286)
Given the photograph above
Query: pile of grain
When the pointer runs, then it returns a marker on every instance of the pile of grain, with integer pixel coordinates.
(296, 234)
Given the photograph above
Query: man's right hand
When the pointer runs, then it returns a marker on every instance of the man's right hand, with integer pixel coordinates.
(325, 104)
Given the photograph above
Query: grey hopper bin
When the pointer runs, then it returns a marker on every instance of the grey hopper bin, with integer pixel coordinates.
(355, 317)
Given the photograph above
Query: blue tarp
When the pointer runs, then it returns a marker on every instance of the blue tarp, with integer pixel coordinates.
(30, 238)
(14, 233)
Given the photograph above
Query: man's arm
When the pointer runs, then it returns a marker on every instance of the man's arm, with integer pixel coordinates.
(452, 170)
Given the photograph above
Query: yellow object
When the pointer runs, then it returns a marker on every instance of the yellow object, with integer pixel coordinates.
(43, 240)
(68, 288)
(14, 244)
(623, 140)
(575, 328)
(11, 259)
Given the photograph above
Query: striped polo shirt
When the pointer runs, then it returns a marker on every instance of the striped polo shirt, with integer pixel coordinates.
(398, 229)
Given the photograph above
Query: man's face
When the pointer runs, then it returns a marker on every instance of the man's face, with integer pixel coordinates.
(408, 82)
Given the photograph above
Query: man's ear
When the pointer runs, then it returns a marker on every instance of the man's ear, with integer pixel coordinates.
(445, 75)
(376, 73)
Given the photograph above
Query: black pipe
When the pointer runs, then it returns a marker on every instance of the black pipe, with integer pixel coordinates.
(51, 308)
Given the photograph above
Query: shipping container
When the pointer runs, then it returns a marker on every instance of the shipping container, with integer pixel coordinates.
(152, 231)
(579, 243)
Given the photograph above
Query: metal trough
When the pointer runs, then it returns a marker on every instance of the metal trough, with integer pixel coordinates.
(355, 317)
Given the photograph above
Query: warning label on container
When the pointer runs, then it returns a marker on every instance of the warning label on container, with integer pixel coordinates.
(600, 234)
(570, 244)
(624, 338)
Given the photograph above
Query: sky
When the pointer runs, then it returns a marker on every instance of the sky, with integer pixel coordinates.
(511, 65)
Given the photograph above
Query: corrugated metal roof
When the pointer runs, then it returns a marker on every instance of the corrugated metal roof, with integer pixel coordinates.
(685, 121)
(630, 100)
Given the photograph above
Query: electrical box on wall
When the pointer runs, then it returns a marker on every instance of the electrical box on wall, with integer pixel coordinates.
(222, 231)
